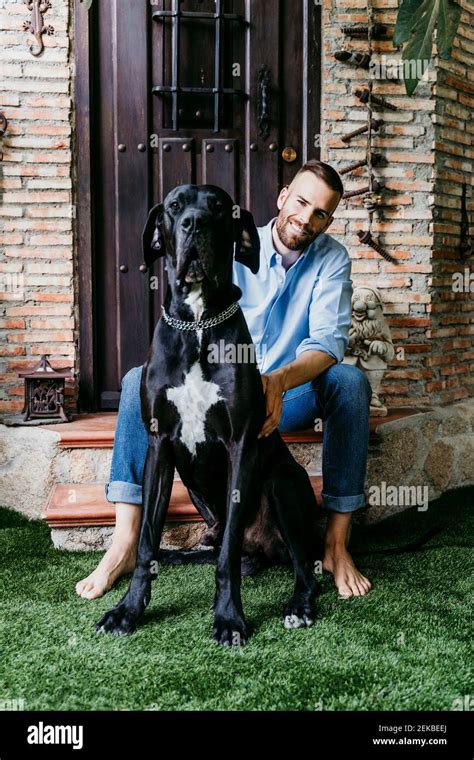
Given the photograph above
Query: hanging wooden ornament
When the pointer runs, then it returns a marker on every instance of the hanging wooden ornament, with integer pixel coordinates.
(378, 30)
(371, 199)
(376, 159)
(361, 60)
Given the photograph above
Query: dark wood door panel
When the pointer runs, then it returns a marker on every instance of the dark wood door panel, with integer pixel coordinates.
(106, 307)
(132, 104)
(209, 98)
(220, 159)
(263, 134)
(177, 162)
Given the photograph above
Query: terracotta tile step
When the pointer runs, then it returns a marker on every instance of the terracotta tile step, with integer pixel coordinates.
(98, 430)
(84, 504)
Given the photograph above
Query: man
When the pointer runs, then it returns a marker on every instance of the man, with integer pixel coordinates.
(298, 309)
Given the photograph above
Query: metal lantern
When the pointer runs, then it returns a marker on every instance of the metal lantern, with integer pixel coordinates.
(44, 392)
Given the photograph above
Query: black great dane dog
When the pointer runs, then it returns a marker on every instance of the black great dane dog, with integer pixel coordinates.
(204, 416)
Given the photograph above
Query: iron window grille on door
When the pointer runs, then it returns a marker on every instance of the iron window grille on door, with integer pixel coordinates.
(176, 89)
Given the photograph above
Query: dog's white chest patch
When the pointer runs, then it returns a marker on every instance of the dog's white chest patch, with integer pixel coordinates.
(196, 304)
(193, 400)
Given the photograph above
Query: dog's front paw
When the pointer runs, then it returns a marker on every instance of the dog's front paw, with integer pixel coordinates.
(230, 631)
(119, 621)
(298, 614)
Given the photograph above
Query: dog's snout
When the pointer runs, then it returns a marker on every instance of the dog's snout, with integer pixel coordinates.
(193, 221)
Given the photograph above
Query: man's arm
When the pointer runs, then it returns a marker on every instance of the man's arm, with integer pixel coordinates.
(329, 321)
(306, 367)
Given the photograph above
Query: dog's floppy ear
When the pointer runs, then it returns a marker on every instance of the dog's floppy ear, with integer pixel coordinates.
(247, 241)
(152, 236)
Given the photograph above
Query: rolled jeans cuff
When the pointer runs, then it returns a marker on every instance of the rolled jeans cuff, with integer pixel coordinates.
(343, 503)
(120, 490)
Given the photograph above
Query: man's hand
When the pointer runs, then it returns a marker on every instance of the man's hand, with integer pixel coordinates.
(306, 367)
(273, 388)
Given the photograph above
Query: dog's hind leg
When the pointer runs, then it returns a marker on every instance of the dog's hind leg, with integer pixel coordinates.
(157, 485)
(291, 499)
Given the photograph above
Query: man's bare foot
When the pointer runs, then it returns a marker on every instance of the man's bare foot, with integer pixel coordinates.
(117, 561)
(120, 558)
(348, 579)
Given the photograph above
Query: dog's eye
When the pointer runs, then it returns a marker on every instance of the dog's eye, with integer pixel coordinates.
(174, 205)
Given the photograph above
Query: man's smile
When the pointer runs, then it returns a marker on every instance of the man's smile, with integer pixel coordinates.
(296, 227)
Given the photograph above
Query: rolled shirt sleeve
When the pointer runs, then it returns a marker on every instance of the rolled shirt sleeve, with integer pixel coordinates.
(330, 311)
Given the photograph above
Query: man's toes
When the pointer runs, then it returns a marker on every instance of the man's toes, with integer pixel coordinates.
(85, 587)
(344, 591)
(80, 587)
(85, 584)
(86, 590)
(365, 585)
(90, 590)
(93, 592)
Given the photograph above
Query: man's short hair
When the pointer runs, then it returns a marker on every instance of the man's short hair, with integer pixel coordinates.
(324, 172)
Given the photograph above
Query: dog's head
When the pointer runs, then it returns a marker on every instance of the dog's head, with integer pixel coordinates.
(198, 228)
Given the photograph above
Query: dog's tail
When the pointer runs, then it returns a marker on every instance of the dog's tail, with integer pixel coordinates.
(412, 546)
(253, 565)
(188, 556)
(249, 564)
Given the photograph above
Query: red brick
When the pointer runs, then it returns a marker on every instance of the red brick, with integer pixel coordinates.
(11, 350)
(59, 336)
(11, 406)
(30, 311)
(48, 324)
(12, 324)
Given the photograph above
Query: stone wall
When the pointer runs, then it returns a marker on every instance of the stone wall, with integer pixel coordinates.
(432, 452)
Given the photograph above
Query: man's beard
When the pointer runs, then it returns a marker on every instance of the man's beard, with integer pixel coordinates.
(291, 239)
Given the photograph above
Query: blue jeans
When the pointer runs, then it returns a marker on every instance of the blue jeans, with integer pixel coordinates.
(340, 397)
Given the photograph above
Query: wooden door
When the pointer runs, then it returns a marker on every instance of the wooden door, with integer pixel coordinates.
(202, 91)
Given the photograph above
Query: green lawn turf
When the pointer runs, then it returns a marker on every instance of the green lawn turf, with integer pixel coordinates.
(404, 646)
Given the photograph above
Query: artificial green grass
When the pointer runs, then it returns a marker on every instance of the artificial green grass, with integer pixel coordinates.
(404, 646)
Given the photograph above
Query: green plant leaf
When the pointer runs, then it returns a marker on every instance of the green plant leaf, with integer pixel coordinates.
(88, 4)
(424, 23)
(448, 22)
(404, 25)
(443, 15)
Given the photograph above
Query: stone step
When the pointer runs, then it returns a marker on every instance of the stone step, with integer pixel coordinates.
(83, 447)
(98, 430)
(35, 459)
(74, 504)
(81, 518)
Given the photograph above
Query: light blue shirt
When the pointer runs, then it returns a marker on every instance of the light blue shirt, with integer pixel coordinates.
(308, 307)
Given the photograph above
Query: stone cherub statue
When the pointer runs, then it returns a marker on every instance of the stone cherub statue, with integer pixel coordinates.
(370, 344)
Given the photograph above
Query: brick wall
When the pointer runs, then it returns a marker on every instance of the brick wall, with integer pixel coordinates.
(427, 149)
(36, 259)
(452, 313)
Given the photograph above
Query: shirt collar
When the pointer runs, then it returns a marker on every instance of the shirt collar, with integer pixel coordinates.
(268, 249)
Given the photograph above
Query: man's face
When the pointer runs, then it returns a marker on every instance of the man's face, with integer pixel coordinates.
(306, 209)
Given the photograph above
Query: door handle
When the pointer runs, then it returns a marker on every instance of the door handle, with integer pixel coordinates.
(263, 102)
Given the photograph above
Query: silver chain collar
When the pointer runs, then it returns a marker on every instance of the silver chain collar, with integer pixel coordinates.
(200, 324)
